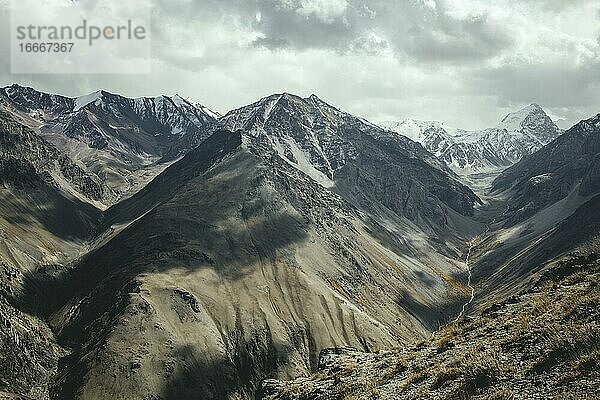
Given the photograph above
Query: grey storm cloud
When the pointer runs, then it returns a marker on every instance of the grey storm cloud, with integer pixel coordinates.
(465, 62)
(470, 39)
(556, 85)
(413, 29)
(558, 5)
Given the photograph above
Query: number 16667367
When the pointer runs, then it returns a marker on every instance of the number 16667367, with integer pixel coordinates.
(46, 47)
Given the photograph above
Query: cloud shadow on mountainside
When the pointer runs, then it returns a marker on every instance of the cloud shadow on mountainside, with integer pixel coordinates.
(68, 219)
(254, 360)
(428, 316)
(101, 283)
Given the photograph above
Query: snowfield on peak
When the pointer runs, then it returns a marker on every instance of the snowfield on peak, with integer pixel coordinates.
(83, 101)
(484, 152)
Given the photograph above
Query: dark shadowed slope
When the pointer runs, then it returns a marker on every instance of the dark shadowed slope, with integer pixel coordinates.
(45, 221)
(569, 163)
(234, 258)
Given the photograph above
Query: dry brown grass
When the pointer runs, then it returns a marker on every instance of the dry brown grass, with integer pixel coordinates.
(444, 338)
(569, 344)
(444, 375)
(503, 394)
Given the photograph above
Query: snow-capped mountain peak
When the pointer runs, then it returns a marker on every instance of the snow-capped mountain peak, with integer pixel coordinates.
(527, 116)
(83, 101)
(295, 127)
(181, 101)
(489, 150)
(413, 129)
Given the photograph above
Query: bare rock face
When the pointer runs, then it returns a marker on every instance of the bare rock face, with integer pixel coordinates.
(361, 159)
(49, 200)
(28, 354)
(45, 219)
(254, 236)
(570, 163)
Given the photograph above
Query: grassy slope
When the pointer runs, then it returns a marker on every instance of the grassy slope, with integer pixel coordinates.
(543, 343)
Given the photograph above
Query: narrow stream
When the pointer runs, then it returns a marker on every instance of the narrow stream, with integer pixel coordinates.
(464, 307)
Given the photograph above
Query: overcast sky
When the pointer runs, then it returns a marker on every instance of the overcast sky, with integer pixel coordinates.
(464, 62)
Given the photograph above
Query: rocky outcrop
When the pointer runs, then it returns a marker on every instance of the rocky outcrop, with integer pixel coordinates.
(539, 344)
(29, 354)
(552, 173)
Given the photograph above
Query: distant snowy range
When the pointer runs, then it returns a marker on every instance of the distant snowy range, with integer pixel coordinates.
(478, 156)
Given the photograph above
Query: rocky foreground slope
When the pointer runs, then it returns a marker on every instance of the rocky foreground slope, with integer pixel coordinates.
(541, 344)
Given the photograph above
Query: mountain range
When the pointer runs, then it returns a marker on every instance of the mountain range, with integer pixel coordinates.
(122, 143)
(152, 248)
(533, 330)
(473, 153)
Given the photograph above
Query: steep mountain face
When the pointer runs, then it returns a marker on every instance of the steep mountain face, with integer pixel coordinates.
(489, 150)
(41, 105)
(363, 162)
(123, 142)
(234, 265)
(161, 126)
(306, 228)
(311, 127)
(33, 171)
(570, 163)
(45, 214)
(45, 221)
(511, 259)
